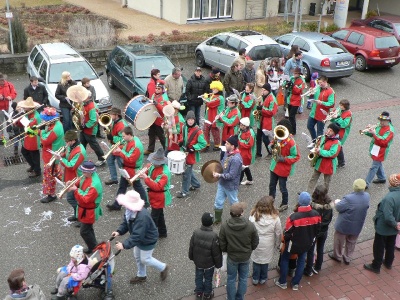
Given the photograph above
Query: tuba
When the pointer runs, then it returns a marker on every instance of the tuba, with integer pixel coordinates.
(77, 94)
(280, 133)
(105, 121)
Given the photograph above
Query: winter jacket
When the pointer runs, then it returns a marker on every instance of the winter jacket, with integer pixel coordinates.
(382, 137)
(33, 293)
(79, 272)
(290, 152)
(93, 91)
(269, 232)
(292, 64)
(143, 231)
(294, 95)
(132, 154)
(74, 157)
(230, 178)
(247, 146)
(249, 75)
(159, 185)
(275, 78)
(61, 94)
(39, 94)
(7, 90)
(327, 159)
(344, 120)
(195, 87)
(326, 213)
(151, 88)
(204, 248)
(238, 237)
(260, 81)
(174, 87)
(198, 143)
(230, 121)
(31, 141)
(352, 211)
(91, 126)
(51, 139)
(327, 96)
(233, 80)
(388, 213)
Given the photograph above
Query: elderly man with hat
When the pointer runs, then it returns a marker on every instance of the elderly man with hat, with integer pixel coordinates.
(352, 211)
(174, 127)
(326, 150)
(381, 140)
(143, 236)
(229, 179)
(387, 227)
(88, 193)
(114, 135)
(238, 237)
(300, 231)
(297, 86)
(7, 95)
(195, 87)
(247, 149)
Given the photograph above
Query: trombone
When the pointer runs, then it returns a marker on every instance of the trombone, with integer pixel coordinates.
(54, 157)
(13, 121)
(113, 147)
(69, 185)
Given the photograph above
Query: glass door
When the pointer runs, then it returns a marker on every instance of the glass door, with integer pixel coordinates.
(209, 9)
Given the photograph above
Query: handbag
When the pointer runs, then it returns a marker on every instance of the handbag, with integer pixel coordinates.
(224, 267)
(280, 98)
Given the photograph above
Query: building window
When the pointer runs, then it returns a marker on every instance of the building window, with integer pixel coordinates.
(209, 9)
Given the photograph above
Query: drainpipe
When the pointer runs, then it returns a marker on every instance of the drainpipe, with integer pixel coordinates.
(161, 8)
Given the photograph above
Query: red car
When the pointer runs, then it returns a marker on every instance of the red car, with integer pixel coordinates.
(388, 23)
(371, 47)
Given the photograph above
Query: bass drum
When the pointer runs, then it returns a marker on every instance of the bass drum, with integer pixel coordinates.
(140, 112)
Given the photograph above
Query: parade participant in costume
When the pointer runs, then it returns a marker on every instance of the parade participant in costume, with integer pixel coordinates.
(174, 130)
(283, 165)
(160, 99)
(248, 103)
(229, 179)
(247, 149)
(324, 97)
(114, 136)
(51, 138)
(158, 180)
(266, 111)
(294, 96)
(192, 141)
(37, 92)
(344, 121)
(151, 86)
(17, 129)
(326, 151)
(230, 118)
(88, 192)
(214, 106)
(382, 138)
(132, 160)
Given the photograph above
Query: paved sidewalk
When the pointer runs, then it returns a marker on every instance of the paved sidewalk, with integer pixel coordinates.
(335, 281)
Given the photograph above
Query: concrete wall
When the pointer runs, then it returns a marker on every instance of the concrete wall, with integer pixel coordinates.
(385, 6)
(174, 11)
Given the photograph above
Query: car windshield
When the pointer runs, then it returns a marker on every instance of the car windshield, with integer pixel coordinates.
(386, 42)
(145, 65)
(78, 70)
(330, 47)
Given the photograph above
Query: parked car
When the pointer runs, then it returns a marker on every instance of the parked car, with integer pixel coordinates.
(370, 46)
(390, 24)
(128, 68)
(321, 53)
(222, 49)
(48, 61)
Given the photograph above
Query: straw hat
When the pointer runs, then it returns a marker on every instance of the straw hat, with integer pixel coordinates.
(77, 93)
(28, 103)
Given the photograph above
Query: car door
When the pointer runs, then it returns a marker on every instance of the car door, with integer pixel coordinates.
(341, 37)
(117, 59)
(284, 42)
(354, 42)
(127, 84)
(229, 52)
(212, 50)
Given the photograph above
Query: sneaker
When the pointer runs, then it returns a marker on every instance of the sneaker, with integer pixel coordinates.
(341, 165)
(371, 268)
(315, 271)
(295, 287)
(110, 182)
(311, 145)
(255, 282)
(379, 181)
(309, 274)
(192, 188)
(99, 163)
(207, 297)
(262, 282)
(48, 199)
(199, 295)
(244, 182)
(283, 286)
(331, 256)
(137, 279)
(216, 148)
(283, 207)
(72, 219)
(181, 195)
(164, 274)
(258, 155)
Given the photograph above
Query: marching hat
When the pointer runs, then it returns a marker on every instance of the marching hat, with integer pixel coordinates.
(384, 116)
(48, 114)
(359, 185)
(304, 199)
(217, 85)
(131, 200)
(267, 87)
(233, 140)
(233, 98)
(207, 219)
(70, 135)
(115, 111)
(394, 180)
(28, 103)
(87, 167)
(334, 127)
(77, 253)
(237, 209)
(157, 158)
(77, 93)
(245, 121)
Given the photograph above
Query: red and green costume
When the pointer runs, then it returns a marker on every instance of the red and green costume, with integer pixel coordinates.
(198, 142)
(268, 111)
(116, 130)
(159, 184)
(132, 156)
(31, 142)
(344, 120)
(73, 158)
(51, 138)
(327, 96)
(160, 101)
(327, 160)
(294, 95)
(90, 114)
(383, 137)
(290, 152)
(176, 131)
(247, 106)
(230, 120)
(247, 146)
(214, 107)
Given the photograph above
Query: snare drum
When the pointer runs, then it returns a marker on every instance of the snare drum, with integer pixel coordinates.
(140, 112)
(176, 162)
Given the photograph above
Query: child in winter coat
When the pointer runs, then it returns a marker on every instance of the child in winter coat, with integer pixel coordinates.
(19, 288)
(205, 252)
(266, 219)
(71, 275)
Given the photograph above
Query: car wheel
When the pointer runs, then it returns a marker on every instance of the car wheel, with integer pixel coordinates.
(306, 72)
(110, 81)
(360, 64)
(200, 59)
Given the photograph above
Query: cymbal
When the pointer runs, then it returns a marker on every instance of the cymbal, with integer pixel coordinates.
(208, 169)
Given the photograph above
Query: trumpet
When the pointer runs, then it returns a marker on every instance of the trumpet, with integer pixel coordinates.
(54, 157)
(206, 97)
(13, 121)
(68, 186)
(105, 121)
(332, 115)
(140, 172)
(368, 128)
(310, 91)
(113, 147)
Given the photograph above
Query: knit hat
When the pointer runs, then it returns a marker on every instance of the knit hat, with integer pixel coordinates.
(359, 185)
(77, 253)
(245, 121)
(334, 127)
(304, 199)
(115, 111)
(131, 200)
(233, 140)
(207, 219)
(394, 180)
(267, 87)
(70, 135)
(217, 85)
(190, 115)
(87, 167)
(237, 209)
(215, 71)
(384, 116)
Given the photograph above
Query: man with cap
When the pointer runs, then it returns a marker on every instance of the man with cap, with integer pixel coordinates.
(192, 141)
(352, 211)
(326, 150)
(114, 135)
(229, 118)
(293, 99)
(381, 140)
(283, 165)
(234, 79)
(195, 87)
(158, 181)
(159, 99)
(229, 179)
(174, 126)
(266, 123)
(324, 100)
(7, 95)
(387, 227)
(51, 138)
(88, 193)
(206, 254)
(247, 149)
(37, 92)
(143, 235)
(238, 237)
(248, 103)
(215, 75)
(300, 231)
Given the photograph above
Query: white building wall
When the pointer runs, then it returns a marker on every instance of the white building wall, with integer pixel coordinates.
(173, 10)
(385, 6)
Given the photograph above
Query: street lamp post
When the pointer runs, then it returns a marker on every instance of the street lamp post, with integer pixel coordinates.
(9, 17)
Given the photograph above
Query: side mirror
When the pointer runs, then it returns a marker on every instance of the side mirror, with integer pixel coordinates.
(100, 73)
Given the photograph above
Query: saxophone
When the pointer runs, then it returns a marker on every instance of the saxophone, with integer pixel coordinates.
(77, 115)
(313, 156)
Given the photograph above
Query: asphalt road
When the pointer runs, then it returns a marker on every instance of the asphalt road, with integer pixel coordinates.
(40, 240)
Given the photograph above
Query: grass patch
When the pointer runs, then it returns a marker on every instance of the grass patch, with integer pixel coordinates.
(30, 3)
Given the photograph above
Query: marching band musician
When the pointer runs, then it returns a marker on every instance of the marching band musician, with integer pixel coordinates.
(158, 180)
(51, 138)
(327, 150)
(248, 104)
(267, 111)
(230, 118)
(214, 106)
(174, 130)
(247, 149)
(283, 165)
(381, 140)
(160, 99)
(294, 96)
(192, 141)
(114, 136)
(344, 121)
(324, 97)
(132, 154)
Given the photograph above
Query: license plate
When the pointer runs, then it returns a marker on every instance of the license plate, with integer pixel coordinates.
(389, 61)
(343, 63)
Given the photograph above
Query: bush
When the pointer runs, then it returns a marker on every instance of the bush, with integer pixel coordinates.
(371, 13)
(313, 26)
(20, 40)
(331, 28)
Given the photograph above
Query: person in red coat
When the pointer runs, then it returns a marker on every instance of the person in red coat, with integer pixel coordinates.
(151, 86)
(246, 148)
(294, 98)
(7, 95)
